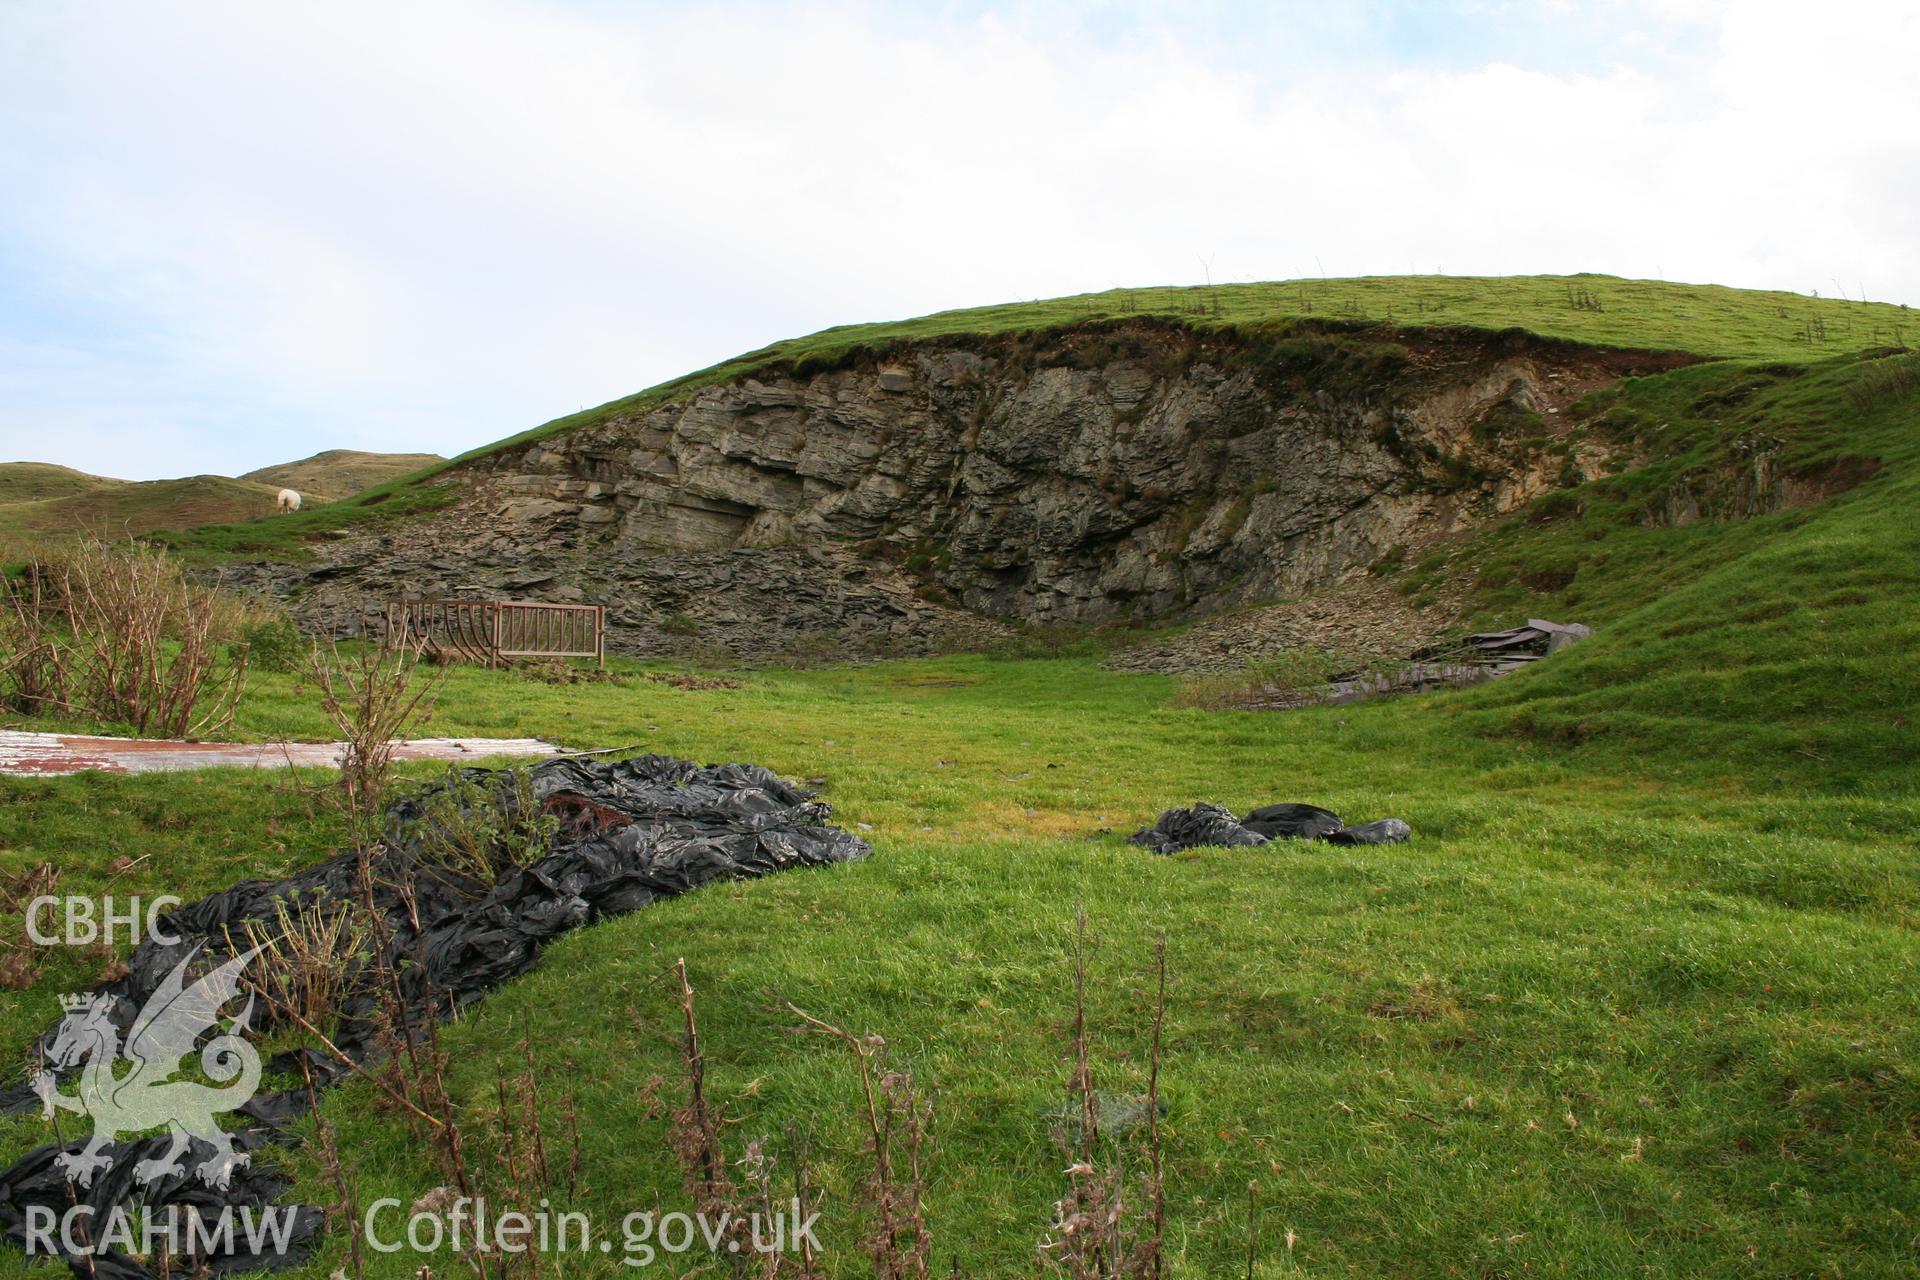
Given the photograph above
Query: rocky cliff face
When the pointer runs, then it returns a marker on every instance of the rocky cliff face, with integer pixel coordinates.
(915, 498)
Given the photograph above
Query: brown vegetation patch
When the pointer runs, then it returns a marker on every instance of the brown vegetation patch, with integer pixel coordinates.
(1816, 482)
(688, 680)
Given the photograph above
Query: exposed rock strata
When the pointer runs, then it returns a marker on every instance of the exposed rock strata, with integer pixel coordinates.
(900, 504)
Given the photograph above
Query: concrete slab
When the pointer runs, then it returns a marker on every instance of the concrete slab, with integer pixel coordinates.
(41, 754)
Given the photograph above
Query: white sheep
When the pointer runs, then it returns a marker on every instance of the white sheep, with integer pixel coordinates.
(287, 501)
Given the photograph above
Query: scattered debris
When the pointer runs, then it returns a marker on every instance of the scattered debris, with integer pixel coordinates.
(687, 680)
(1499, 652)
(1453, 665)
(561, 671)
(627, 833)
(1356, 614)
(1212, 824)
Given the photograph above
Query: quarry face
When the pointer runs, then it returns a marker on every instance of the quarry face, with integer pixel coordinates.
(923, 497)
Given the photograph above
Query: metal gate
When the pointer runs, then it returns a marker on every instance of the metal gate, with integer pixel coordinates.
(496, 631)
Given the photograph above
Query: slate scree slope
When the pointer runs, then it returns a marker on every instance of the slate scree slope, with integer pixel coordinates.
(922, 497)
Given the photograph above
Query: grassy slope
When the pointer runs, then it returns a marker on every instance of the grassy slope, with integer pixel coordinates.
(117, 508)
(1648, 314)
(1639, 999)
(1716, 982)
(37, 481)
(1779, 644)
(340, 473)
(40, 501)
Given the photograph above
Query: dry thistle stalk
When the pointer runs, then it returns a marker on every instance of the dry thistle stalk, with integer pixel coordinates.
(899, 1123)
(530, 1108)
(1102, 1230)
(327, 1152)
(373, 699)
(694, 1128)
(518, 1191)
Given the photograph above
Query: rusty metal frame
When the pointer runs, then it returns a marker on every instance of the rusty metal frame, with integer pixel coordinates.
(493, 632)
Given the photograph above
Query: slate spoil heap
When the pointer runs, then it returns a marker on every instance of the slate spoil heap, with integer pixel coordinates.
(1500, 652)
(623, 835)
(1212, 824)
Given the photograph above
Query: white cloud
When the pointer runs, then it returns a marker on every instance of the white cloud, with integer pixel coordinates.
(429, 225)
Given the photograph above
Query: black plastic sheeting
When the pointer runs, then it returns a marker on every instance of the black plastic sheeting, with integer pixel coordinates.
(1212, 824)
(629, 832)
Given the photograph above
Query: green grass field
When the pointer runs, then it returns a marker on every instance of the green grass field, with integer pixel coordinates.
(1639, 999)
(1712, 976)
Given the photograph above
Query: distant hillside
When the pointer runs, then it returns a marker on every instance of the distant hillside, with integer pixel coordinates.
(116, 508)
(337, 473)
(33, 481)
(39, 499)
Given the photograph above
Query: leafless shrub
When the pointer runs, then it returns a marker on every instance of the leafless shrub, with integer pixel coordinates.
(117, 632)
(1110, 1224)
(374, 697)
(898, 1116)
(312, 958)
(33, 675)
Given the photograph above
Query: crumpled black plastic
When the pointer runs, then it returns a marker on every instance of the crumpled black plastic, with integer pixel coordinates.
(33, 1180)
(1212, 824)
(1293, 822)
(630, 832)
(1384, 831)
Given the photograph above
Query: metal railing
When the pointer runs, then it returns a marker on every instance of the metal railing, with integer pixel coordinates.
(495, 631)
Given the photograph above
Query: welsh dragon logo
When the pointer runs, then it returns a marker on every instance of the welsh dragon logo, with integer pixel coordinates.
(147, 1097)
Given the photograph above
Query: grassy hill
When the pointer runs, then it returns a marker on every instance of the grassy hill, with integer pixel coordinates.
(339, 473)
(1709, 320)
(40, 500)
(1640, 997)
(38, 481)
(118, 508)
(1807, 390)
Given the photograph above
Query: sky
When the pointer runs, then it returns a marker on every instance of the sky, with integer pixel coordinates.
(234, 234)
